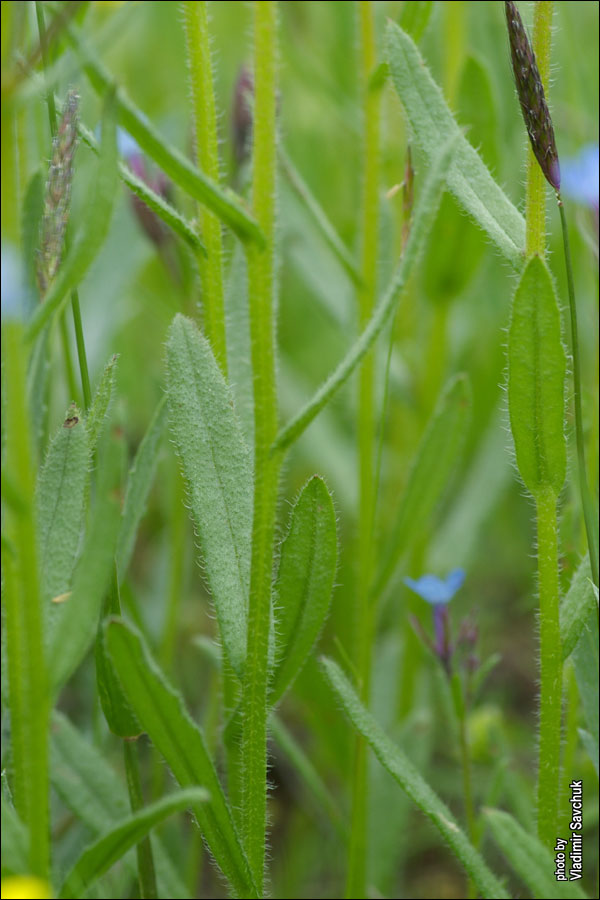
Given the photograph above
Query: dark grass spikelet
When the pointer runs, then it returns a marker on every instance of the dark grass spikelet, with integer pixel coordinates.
(57, 196)
(532, 98)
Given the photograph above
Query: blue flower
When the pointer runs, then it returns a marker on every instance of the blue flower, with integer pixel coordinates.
(435, 590)
(580, 176)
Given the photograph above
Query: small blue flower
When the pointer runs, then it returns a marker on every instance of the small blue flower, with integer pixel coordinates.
(435, 590)
(580, 176)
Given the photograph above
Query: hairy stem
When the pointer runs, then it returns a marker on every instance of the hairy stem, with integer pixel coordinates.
(535, 191)
(261, 291)
(367, 295)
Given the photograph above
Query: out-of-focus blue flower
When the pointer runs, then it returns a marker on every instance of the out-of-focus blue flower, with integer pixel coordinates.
(580, 176)
(435, 590)
(13, 284)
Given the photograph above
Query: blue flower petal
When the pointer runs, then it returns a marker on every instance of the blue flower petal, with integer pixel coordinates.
(435, 590)
(580, 176)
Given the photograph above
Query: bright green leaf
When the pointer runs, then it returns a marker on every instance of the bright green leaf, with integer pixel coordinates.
(107, 850)
(415, 16)
(536, 380)
(409, 779)
(304, 585)
(162, 714)
(218, 475)
(98, 411)
(433, 124)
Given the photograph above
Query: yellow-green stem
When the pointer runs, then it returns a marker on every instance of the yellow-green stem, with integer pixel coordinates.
(535, 192)
(261, 293)
(207, 150)
(367, 295)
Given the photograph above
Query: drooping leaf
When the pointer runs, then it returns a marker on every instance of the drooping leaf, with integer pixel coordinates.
(94, 230)
(432, 467)
(162, 714)
(433, 124)
(139, 482)
(304, 582)
(98, 411)
(536, 380)
(409, 779)
(61, 494)
(217, 471)
(107, 850)
(93, 791)
(532, 862)
(577, 607)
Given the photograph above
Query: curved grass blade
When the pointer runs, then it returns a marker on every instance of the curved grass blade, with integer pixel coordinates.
(93, 791)
(61, 493)
(529, 858)
(98, 411)
(433, 124)
(409, 779)
(304, 585)
(423, 218)
(95, 228)
(223, 202)
(216, 467)
(139, 482)
(162, 714)
(107, 850)
(536, 381)
(432, 468)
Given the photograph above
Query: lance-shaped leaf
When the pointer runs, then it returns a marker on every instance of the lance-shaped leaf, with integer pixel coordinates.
(60, 504)
(433, 124)
(107, 850)
(162, 714)
(98, 412)
(218, 475)
(95, 227)
(529, 858)
(139, 482)
(432, 467)
(93, 791)
(305, 581)
(536, 380)
(577, 607)
(76, 620)
(409, 779)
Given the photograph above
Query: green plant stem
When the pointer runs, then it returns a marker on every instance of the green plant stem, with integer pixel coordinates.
(68, 358)
(145, 860)
(27, 671)
(550, 668)
(367, 295)
(586, 499)
(195, 14)
(75, 307)
(261, 292)
(535, 191)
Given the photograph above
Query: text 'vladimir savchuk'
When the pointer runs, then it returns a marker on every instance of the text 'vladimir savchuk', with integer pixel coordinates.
(569, 853)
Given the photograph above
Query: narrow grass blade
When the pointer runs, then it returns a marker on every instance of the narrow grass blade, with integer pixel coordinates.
(222, 201)
(409, 779)
(577, 607)
(162, 714)
(536, 381)
(218, 475)
(139, 482)
(527, 856)
(98, 412)
(305, 581)
(95, 227)
(74, 626)
(93, 791)
(432, 468)
(423, 218)
(414, 18)
(61, 493)
(433, 124)
(107, 850)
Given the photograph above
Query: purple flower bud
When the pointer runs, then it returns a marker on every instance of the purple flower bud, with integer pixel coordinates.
(242, 115)
(154, 227)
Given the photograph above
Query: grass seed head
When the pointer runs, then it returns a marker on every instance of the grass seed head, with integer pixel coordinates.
(531, 95)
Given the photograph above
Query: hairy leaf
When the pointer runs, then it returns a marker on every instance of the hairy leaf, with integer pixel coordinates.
(98, 411)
